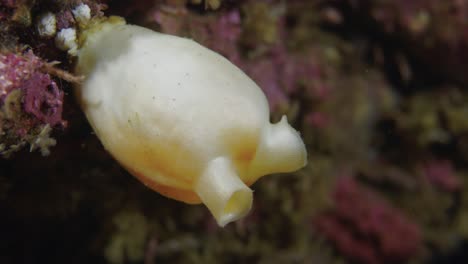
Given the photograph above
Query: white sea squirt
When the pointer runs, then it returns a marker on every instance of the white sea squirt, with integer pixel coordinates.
(181, 118)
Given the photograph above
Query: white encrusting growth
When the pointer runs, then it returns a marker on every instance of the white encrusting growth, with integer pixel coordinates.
(66, 40)
(82, 13)
(47, 25)
(182, 118)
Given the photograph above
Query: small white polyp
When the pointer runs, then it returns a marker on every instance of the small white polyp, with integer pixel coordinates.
(66, 40)
(47, 25)
(82, 13)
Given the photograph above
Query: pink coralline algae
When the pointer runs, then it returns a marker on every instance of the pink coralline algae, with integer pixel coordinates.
(14, 69)
(281, 74)
(365, 228)
(42, 99)
(64, 19)
(266, 75)
(442, 175)
(221, 34)
(226, 31)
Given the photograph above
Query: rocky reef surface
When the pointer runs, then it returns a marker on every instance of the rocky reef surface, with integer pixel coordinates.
(378, 89)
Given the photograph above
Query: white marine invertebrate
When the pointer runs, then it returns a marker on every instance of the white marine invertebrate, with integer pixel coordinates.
(47, 25)
(82, 13)
(182, 118)
(66, 40)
